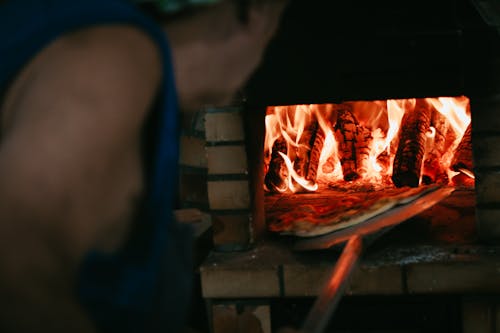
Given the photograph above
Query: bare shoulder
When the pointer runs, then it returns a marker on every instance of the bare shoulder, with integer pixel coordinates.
(122, 44)
(122, 52)
(113, 63)
(70, 156)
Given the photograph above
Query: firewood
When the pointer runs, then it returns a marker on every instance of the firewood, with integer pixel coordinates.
(411, 148)
(306, 142)
(433, 170)
(345, 134)
(363, 147)
(273, 179)
(463, 155)
(354, 144)
(384, 158)
(450, 136)
(315, 154)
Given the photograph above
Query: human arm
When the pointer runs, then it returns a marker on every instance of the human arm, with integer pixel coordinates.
(70, 168)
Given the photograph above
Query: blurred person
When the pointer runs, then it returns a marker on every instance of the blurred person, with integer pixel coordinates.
(89, 99)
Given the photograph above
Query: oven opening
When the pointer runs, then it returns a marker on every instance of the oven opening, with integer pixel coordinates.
(331, 166)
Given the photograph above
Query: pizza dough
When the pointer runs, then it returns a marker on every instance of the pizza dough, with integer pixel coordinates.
(318, 213)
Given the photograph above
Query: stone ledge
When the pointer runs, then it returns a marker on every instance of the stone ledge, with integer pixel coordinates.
(274, 270)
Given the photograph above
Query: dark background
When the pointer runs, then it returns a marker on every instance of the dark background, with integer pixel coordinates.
(329, 51)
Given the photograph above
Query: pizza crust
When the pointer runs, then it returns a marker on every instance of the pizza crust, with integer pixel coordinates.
(330, 211)
(344, 222)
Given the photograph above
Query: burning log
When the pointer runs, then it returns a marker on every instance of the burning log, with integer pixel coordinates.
(306, 158)
(363, 146)
(411, 148)
(345, 134)
(354, 144)
(315, 154)
(273, 179)
(432, 170)
(463, 154)
(302, 159)
(444, 136)
(384, 159)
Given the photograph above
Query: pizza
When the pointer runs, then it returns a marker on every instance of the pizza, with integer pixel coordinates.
(314, 214)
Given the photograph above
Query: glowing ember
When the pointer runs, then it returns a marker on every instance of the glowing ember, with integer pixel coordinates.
(307, 145)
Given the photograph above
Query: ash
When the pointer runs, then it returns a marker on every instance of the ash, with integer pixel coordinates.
(412, 255)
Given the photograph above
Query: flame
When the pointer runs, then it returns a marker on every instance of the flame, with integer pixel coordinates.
(308, 127)
(292, 174)
(467, 173)
(395, 111)
(455, 109)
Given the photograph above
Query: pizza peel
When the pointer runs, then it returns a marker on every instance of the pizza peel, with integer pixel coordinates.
(357, 237)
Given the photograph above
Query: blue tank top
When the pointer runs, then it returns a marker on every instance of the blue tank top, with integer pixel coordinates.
(145, 287)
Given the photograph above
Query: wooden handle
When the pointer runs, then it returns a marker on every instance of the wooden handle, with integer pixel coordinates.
(332, 292)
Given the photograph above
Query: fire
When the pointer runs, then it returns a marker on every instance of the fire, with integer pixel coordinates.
(313, 144)
(455, 109)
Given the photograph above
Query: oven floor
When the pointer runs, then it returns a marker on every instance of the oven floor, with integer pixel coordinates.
(434, 255)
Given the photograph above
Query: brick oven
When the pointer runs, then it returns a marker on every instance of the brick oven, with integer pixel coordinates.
(437, 272)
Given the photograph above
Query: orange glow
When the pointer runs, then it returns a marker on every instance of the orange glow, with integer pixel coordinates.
(455, 109)
(314, 144)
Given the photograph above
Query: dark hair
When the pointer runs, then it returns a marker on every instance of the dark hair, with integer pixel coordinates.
(242, 8)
